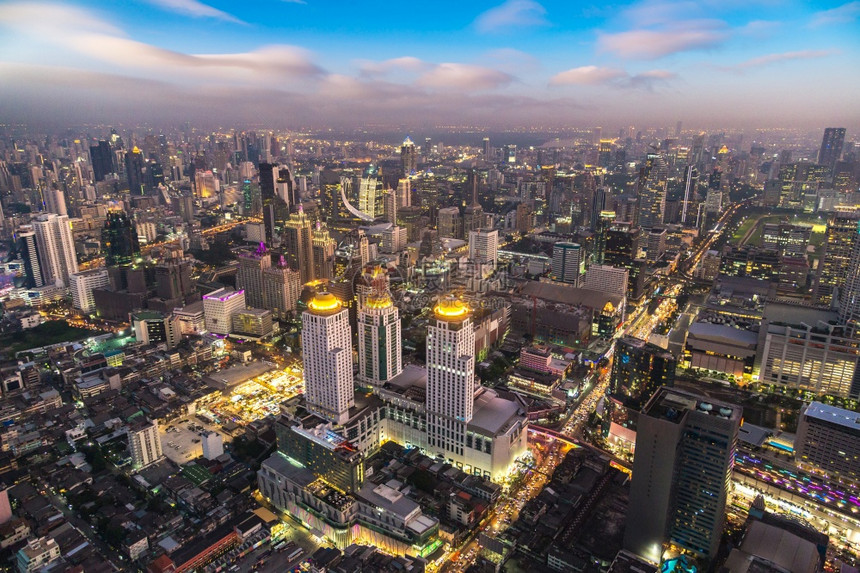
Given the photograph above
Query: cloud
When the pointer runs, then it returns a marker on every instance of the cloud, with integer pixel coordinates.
(650, 44)
(586, 75)
(196, 9)
(512, 14)
(511, 61)
(404, 63)
(758, 28)
(777, 58)
(102, 42)
(463, 77)
(839, 15)
(597, 76)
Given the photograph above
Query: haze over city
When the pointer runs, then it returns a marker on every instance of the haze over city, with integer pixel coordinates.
(488, 64)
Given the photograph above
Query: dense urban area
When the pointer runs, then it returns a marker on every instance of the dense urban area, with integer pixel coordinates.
(594, 350)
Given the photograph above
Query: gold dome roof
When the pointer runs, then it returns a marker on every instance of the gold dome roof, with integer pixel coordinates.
(381, 300)
(324, 303)
(450, 308)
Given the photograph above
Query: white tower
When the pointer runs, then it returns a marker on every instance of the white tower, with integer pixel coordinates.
(327, 355)
(379, 345)
(484, 246)
(56, 246)
(144, 443)
(450, 376)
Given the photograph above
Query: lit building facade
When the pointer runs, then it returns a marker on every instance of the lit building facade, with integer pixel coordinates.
(379, 343)
(144, 444)
(219, 308)
(828, 441)
(327, 354)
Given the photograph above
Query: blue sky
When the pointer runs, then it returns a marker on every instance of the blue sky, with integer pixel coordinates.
(495, 64)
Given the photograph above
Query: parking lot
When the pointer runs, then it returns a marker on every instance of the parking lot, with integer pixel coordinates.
(180, 439)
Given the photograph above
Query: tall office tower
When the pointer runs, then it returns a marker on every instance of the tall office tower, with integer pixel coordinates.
(408, 158)
(101, 157)
(249, 276)
(849, 304)
(598, 205)
(473, 219)
(685, 447)
(604, 223)
(404, 192)
(652, 191)
(134, 172)
(484, 247)
(119, 239)
(324, 247)
(370, 197)
(327, 356)
(833, 267)
(56, 246)
(567, 262)
(486, 148)
(451, 382)
(282, 287)
(379, 345)
(298, 244)
(389, 206)
(525, 218)
(639, 369)
(29, 253)
(275, 208)
(831, 147)
(144, 443)
(691, 178)
(82, 285)
(219, 307)
(55, 201)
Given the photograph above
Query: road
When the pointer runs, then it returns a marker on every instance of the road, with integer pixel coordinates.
(117, 560)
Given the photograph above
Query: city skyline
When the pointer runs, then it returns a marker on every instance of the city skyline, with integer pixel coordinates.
(489, 64)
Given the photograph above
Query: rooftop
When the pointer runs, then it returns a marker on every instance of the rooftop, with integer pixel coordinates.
(673, 404)
(833, 415)
(570, 295)
(492, 414)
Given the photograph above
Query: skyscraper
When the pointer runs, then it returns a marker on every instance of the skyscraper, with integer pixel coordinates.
(101, 157)
(282, 287)
(82, 285)
(298, 244)
(685, 448)
(652, 191)
(323, 248)
(327, 354)
(451, 380)
(29, 253)
(134, 172)
(370, 193)
(831, 147)
(567, 262)
(249, 275)
(484, 246)
(379, 344)
(408, 158)
(839, 241)
(849, 304)
(56, 246)
(275, 207)
(119, 239)
(219, 307)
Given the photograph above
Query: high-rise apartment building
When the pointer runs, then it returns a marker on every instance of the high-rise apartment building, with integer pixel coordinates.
(449, 223)
(839, 241)
(652, 191)
(567, 261)
(451, 380)
(144, 444)
(275, 208)
(831, 147)
(298, 244)
(379, 344)
(327, 354)
(56, 246)
(685, 447)
(82, 285)
(219, 307)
